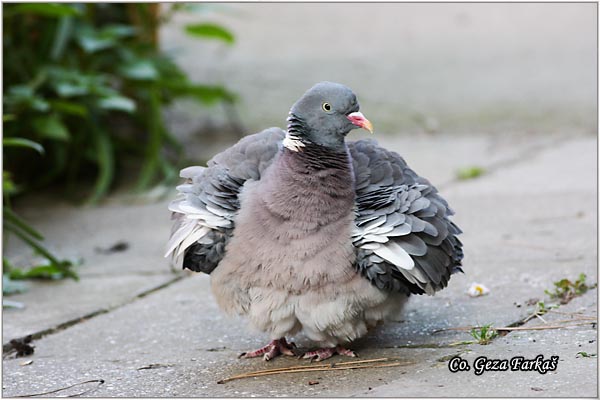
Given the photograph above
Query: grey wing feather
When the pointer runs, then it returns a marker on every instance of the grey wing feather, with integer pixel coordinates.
(207, 203)
(404, 238)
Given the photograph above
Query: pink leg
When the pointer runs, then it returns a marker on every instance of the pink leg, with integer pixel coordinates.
(272, 350)
(325, 353)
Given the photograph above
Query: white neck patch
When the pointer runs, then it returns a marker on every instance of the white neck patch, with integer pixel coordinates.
(293, 142)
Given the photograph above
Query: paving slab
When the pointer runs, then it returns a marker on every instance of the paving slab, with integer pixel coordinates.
(75, 300)
(106, 280)
(175, 342)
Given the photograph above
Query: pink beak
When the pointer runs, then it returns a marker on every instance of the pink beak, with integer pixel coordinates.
(358, 119)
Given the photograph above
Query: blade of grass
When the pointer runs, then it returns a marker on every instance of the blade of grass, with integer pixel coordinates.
(36, 246)
(105, 164)
(210, 31)
(21, 142)
(63, 33)
(155, 127)
(10, 216)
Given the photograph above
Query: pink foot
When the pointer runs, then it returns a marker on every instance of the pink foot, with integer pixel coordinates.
(272, 350)
(325, 353)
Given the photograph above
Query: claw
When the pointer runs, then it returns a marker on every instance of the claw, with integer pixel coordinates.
(272, 350)
(345, 352)
(325, 353)
(272, 353)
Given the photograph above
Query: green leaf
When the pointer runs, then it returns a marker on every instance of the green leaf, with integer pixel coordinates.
(469, 173)
(105, 152)
(8, 118)
(23, 95)
(20, 91)
(119, 103)
(39, 104)
(585, 354)
(210, 31)
(51, 127)
(69, 107)
(8, 186)
(44, 9)
(118, 31)
(155, 129)
(91, 44)
(69, 89)
(63, 33)
(92, 41)
(73, 82)
(49, 271)
(20, 142)
(140, 70)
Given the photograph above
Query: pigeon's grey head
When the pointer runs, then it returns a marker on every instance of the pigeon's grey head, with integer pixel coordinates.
(325, 114)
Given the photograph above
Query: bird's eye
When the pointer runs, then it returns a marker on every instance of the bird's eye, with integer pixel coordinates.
(326, 107)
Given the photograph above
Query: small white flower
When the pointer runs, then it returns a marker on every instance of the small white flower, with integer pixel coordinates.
(477, 289)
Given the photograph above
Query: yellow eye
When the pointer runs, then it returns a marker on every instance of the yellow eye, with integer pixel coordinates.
(326, 107)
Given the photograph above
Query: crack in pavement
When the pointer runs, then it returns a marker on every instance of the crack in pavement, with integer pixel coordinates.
(524, 320)
(6, 347)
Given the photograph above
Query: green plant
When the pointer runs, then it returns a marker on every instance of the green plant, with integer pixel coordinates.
(52, 267)
(484, 334)
(565, 290)
(469, 172)
(84, 86)
(541, 308)
(88, 83)
(585, 355)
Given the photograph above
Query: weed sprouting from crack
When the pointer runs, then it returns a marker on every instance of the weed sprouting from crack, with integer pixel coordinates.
(583, 354)
(565, 290)
(484, 334)
(542, 308)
